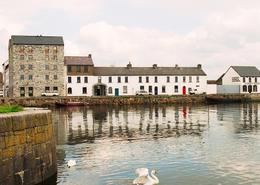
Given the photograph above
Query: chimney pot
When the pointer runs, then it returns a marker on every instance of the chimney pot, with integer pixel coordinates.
(155, 66)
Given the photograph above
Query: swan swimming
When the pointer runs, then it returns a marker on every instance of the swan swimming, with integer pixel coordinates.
(71, 163)
(144, 178)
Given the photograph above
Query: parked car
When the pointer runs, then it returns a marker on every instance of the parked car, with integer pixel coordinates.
(142, 92)
(50, 94)
(1, 93)
(193, 91)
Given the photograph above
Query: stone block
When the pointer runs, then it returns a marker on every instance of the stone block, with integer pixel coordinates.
(18, 123)
(10, 139)
(30, 135)
(5, 124)
(2, 141)
(20, 136)
(8, 153)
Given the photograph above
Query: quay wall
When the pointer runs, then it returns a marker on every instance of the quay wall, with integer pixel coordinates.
(27, 147)
(121, 100)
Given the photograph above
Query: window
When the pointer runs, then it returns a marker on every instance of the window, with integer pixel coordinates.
(46, 77)
(168, 79)
(140, 79)
(30, 66)
(155, 79)
(30, 57)
(85, 69)
(22, 91)
(110, 90)
(255, 79)
(244, 79)
(124, 89)
(126, 79)
(55, 57)
(21, 57)
(78, 79)
(21, 49)
(255, 88)
(99, 79)
(250, 79)
(55, 67)
(141, 87)
(55, 50)
(46, 67)
(69, 90)
(119, 79)
(147, 79)
(163, 89)
(184, 78)
(55, 89)
(110, 79)
(47, 57)
(47, 50)
(30, 91)
(47, 89)
(55, 77)
(150, 89)
(197, 79)
(176, 88)
(176, 79)
(85, 79)
(84, 90)
(244, 88)
(190, 79)
(78, 68)
(21, 77)
(30, 49)
(21, 67)
(69, 79)
(30, 77)
(69, 68)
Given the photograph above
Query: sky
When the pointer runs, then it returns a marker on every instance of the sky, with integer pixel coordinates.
(216, 34)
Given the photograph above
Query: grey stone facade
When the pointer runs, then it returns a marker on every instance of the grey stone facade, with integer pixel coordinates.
(35, 68)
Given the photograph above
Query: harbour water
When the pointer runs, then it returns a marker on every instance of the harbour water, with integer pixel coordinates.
(187, 145)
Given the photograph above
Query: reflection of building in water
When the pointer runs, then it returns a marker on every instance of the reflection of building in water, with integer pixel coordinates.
(246, 114)
(84, 124)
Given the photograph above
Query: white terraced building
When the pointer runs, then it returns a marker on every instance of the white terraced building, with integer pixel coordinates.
(83, 79)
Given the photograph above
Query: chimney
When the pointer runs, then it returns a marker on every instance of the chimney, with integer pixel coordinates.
(155, 66)
(129, 65)
(199, 66)
(89, 56)
(176, 66)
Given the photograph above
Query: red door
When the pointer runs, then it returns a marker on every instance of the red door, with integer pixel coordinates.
(183, 90)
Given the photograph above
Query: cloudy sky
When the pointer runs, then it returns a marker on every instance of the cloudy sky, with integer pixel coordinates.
(216, 34)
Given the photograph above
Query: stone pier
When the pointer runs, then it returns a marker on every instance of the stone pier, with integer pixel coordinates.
(27, 147)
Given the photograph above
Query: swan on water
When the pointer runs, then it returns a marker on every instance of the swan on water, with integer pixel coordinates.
(144, 178)
(71, 163)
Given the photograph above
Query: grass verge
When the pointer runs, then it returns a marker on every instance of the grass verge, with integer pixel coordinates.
(10, 108)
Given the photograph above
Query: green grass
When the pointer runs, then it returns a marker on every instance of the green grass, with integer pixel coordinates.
(10, 108)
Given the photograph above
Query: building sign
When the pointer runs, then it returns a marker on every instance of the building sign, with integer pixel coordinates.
(235, 79)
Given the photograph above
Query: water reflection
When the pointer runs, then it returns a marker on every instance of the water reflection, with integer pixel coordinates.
(85, 124)
(217, 144)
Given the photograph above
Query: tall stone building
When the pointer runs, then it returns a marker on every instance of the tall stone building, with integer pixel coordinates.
(36, 65)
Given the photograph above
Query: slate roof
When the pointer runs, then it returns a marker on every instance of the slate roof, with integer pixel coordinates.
(143, 71)
(247, 71)
(78, 60)
(36, 40)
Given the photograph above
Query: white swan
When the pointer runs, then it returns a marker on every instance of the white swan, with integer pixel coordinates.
(71, 163)
(144, 178)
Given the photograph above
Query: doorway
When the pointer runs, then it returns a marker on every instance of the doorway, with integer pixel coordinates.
(100, 90)
(155, 90)
(184, 90)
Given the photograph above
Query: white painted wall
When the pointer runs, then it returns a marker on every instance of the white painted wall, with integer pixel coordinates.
(231, 73)
(133, 84)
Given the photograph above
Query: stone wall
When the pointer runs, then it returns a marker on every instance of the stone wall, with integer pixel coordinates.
(121, 100)
(36, 64)
(27, 147)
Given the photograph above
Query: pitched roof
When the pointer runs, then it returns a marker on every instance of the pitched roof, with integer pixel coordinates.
(135, 71)
(36, 40)
(246, 71)
(78, 60)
